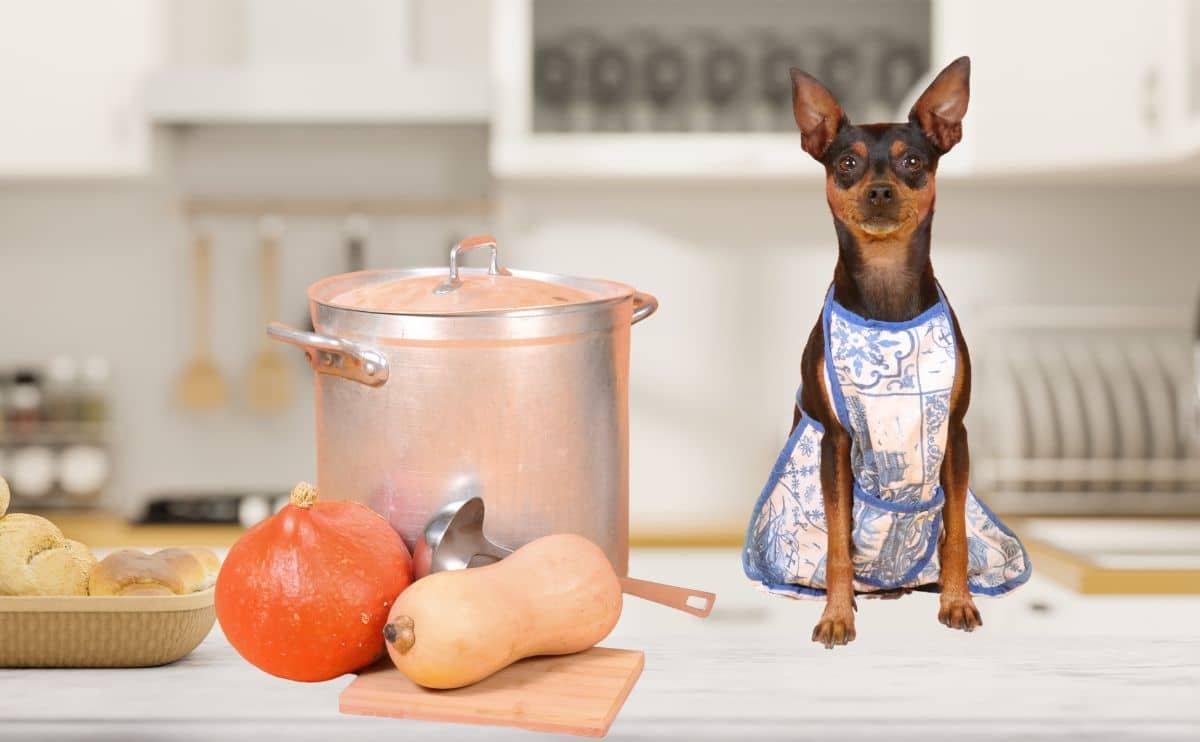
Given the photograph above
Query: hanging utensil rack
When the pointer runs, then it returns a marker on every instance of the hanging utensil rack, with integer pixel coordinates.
(195, 207)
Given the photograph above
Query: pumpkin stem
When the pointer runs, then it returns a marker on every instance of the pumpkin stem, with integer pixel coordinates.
(400, 634)
(304, 495)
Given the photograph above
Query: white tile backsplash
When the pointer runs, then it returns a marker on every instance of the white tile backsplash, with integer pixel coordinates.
(741, 272)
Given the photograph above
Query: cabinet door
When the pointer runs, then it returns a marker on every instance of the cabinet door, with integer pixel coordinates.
(1064, 84)
(71, 76)
(1189, 35)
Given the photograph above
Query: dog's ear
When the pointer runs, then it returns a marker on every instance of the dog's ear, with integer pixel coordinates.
(817, 113)
(940, 109)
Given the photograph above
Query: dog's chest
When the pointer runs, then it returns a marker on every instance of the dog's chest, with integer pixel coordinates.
(890, 383)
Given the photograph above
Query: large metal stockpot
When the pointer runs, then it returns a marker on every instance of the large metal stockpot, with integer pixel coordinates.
(435, 384)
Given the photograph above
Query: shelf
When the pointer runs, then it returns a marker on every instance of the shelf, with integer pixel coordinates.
(55, 433)
(317, 94)
(312, 207)
(667, 156)
(653, 155)
(778, 158)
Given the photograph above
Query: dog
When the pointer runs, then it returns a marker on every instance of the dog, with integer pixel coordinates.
(880, 183)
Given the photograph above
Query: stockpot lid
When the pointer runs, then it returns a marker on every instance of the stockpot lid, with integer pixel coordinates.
(461, 292)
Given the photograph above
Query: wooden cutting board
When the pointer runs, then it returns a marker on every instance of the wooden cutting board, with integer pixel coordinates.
(570, 694)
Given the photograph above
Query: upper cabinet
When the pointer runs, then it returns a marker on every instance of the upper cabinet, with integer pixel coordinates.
(1068, 85)
(699, 88)
(83, 84)
(71, 81)
(1186, 36)
(316, 61)
(687, 88)
(619, 89)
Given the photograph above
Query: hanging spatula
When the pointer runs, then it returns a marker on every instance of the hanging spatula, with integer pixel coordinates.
(201, 385)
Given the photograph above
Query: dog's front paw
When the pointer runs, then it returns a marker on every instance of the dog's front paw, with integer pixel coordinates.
(835, 627)
(959, 612)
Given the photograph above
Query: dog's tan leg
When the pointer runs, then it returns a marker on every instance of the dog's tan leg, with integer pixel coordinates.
(957, 610)
(837, 622)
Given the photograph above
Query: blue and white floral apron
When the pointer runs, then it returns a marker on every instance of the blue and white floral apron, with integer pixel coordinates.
(890, 384)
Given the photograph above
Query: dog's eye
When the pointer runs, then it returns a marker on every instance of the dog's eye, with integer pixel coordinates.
(847, 163)
(912, 162)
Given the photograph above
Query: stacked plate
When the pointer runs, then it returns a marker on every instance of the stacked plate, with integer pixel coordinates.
(1103, 402)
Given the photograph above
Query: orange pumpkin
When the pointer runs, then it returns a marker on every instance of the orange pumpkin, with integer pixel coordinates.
(304, 595)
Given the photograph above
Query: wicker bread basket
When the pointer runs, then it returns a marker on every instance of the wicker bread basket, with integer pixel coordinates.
(102, 631)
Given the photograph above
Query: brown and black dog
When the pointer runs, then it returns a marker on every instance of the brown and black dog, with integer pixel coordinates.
(880, 186)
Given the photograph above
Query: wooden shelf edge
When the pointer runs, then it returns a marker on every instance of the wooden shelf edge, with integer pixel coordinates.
(1081, 575)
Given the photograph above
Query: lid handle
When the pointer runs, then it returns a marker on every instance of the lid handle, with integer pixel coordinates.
(452, 281)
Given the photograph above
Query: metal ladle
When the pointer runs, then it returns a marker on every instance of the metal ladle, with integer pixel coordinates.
(454, 539)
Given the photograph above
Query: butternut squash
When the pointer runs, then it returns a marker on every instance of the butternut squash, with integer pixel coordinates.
(556, 595)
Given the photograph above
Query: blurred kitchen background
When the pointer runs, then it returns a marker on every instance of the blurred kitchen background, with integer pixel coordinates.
(148, 144)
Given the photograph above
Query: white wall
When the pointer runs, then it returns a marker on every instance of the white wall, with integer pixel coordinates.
(740, 271)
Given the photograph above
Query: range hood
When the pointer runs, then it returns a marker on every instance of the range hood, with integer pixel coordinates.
(317, 94)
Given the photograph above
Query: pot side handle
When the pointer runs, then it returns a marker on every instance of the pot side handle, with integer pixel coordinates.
(644, 305)
(335, 356)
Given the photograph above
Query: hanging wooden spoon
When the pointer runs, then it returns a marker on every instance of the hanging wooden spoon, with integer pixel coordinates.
(269, 386)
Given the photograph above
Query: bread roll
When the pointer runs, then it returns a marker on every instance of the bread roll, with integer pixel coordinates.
(166, 572)
(64, 571)
(198, 567)
(35, 557)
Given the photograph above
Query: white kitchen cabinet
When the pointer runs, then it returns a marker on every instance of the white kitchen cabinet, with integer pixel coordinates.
(758, 148)
(71, 75)
(1064, 87)
(1071, 84)
(1185, 36)
(319, 62)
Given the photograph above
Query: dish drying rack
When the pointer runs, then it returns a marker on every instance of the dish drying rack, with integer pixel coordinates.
(1087, 410)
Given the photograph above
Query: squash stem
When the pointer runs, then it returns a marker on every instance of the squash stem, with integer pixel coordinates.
(400, 634)
(304, 495)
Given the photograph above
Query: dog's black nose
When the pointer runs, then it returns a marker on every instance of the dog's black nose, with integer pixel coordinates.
(879, 194)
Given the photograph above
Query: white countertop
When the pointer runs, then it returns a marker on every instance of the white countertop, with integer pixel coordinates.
(1046, 664)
